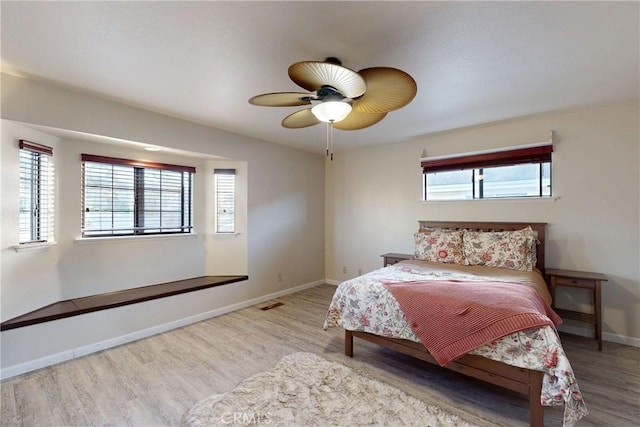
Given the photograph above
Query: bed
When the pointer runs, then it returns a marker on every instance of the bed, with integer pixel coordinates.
(530, 361)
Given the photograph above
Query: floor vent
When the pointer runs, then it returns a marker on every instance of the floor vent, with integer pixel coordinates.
(270, 306)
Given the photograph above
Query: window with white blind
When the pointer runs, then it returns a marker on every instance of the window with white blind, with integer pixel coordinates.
(225, 184)
(123, 197)
(517, 172)
(36, 193)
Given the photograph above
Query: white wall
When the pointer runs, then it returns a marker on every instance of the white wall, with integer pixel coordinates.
(281, 228)
(374, 203)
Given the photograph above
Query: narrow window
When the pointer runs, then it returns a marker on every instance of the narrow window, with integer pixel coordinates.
(123, 197)
(225, 183)
(519, 172)
(36, 192)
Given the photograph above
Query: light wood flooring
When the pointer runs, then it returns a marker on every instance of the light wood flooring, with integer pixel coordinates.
(153, 381)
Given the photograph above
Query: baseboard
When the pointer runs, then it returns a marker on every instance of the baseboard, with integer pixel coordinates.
(332, 282)
(606, 336)
(621, 339)
(32, 365)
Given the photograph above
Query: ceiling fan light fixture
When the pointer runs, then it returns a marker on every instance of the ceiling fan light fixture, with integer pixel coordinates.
(331, 111)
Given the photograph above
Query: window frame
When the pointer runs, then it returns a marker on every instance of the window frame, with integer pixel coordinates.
(539, 154)
(137, 228)
(40, 182)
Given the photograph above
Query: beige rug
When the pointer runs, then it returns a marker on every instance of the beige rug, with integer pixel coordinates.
(304, 389)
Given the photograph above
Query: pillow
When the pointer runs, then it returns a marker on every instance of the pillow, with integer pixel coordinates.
(439, 246)
(534, 249)
(514, 250)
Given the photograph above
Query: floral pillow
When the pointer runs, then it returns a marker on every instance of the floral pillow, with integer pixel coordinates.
(506, 249)
(439, 246)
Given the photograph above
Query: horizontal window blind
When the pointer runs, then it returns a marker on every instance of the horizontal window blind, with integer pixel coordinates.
(127, 197)
(136, 163)
(225, 183)
(36, 213)
(537, 154)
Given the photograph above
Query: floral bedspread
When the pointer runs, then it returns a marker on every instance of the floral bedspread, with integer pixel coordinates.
(364, 304)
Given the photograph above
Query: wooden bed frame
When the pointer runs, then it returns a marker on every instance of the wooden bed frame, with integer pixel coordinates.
(524, 381)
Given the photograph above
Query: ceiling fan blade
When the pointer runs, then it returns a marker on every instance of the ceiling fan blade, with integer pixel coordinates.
(300, 119)
(312, 75)
(281, 99)
(356, 120)
(387, 89)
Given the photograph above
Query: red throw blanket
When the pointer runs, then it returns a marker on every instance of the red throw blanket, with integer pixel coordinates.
(452, 318)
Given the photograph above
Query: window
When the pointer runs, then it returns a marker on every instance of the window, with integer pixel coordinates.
(520, 172)
(123, 197)
(36, 193)
(225, 183)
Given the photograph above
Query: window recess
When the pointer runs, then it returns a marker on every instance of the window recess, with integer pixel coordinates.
(516, 172)
(36, 193)
(122, 197)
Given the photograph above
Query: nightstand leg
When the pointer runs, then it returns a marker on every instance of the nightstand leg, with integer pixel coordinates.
(597, 304)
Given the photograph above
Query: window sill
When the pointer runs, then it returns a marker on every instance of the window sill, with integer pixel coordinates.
(496, 200)
(124, 239)
(32, 247)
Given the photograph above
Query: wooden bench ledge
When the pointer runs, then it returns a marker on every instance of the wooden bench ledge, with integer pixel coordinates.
(77, 306)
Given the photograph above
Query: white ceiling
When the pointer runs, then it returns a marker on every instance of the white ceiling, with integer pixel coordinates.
(474, 62)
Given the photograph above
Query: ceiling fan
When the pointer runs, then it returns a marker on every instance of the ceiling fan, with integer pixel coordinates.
(339, 96)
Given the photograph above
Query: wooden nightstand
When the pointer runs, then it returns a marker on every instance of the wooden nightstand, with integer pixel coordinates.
(392, 258)
(579, 279)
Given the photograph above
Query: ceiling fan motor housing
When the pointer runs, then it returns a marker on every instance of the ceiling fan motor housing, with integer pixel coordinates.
(328, 93)
(333, 60)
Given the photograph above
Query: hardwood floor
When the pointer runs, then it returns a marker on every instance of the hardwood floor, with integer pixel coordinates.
(153, 381)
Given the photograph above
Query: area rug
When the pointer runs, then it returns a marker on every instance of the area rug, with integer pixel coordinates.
(304, 389)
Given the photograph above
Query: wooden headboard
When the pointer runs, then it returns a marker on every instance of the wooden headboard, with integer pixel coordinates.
(539, 227)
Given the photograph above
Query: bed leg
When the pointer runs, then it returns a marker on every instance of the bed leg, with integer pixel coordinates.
(536, 411)
(348, 343)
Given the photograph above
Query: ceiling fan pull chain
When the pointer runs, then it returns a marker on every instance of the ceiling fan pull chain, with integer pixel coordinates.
(331, 139)
(328, 125)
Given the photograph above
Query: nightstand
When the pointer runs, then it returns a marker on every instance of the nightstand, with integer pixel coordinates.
(579, 279)
(392, 258)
